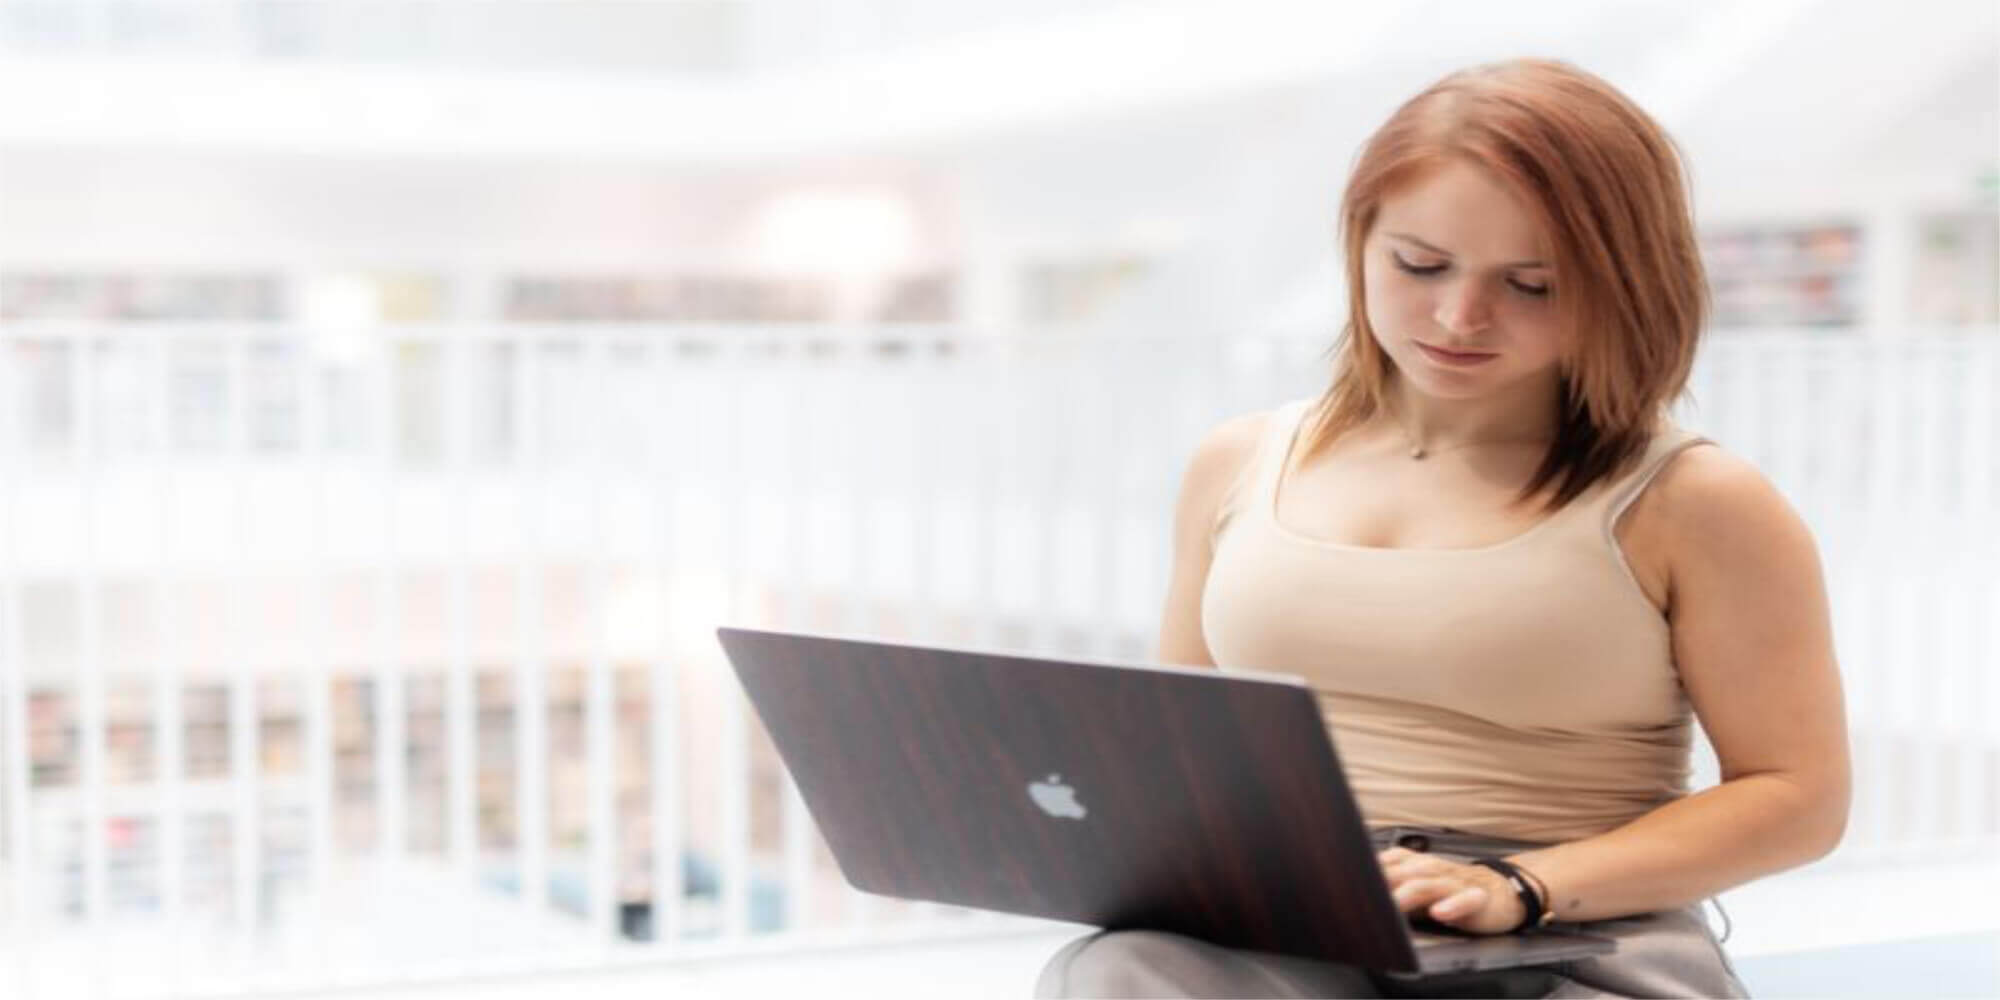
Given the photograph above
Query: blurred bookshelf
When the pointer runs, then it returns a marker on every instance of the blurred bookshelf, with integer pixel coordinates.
(137, 297)
(391, 297)
(1956, 273)
(1780, 274)
(664, 299)
(722, 299)
(136, 807)
(1059, 290)
(1812, 274)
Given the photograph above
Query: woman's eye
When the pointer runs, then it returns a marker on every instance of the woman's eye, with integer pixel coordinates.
(1414, 269)
(1532, 291)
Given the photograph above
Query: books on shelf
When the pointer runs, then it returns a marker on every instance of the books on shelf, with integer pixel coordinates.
(681, 299)
(1955, 277)
(1785, 274)
(140, 297)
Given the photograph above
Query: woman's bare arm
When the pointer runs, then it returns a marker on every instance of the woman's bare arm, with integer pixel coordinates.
(1753, 641)
(1218, 458)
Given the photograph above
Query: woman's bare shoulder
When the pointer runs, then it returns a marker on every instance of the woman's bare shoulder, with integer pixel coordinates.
(1708, 505)
(1705, 483)
(1220, 458)
(1697, 475)
(1226, 447)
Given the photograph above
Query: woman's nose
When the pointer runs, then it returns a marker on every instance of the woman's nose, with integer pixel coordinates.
(1463, 308)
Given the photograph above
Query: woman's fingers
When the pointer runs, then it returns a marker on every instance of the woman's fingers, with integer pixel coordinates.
(1463, 903)
(1460, 895)
(1411, 865)
(1419, 893)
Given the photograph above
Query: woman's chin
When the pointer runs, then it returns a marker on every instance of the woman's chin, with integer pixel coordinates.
(1448, 385)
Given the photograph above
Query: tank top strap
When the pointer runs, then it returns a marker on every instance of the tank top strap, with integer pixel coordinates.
(1258, 479)
(1288, 425)
(1609, 501)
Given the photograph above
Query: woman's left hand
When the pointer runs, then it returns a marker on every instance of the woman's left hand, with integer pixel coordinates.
(1471, 898)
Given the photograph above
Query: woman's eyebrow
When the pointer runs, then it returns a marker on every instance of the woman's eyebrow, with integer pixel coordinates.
(1447, 253)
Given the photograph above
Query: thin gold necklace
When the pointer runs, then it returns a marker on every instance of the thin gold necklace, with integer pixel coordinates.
(1420, 451)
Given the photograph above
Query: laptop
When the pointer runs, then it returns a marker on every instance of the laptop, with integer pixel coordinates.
(1117, 795)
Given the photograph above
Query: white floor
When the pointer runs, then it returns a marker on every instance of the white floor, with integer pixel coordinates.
(1821, 931)
(1804, 934)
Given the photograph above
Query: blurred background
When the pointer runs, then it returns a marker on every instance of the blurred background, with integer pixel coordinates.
(394, 396)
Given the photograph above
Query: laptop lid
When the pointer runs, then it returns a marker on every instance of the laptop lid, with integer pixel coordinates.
(1117, 795)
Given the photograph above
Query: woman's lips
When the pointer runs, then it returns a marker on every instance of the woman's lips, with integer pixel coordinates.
(1454, 359)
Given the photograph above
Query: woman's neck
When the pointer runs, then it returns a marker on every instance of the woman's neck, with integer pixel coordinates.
(1525, 413)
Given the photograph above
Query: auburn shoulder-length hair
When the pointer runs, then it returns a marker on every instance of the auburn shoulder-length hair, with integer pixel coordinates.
(1605, 182)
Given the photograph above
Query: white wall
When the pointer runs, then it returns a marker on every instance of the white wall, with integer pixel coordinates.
(1235, 194)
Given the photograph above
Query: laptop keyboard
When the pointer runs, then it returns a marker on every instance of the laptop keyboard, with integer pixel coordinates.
(1423, 938)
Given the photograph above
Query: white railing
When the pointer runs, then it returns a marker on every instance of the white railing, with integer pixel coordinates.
(378, 556)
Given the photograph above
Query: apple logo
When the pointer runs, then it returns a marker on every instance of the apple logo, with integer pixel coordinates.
(1056, 798)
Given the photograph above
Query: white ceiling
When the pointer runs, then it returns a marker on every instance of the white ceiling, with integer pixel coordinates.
(714, 82)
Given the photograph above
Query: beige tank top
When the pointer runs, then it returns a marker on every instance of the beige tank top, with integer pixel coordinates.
(1525, 689)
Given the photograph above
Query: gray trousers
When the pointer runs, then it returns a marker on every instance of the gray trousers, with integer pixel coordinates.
(1670, 953)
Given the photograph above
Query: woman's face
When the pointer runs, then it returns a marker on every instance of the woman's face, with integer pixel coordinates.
(1459, 286)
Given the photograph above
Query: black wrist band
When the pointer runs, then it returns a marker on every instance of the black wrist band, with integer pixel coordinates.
(1534, 912)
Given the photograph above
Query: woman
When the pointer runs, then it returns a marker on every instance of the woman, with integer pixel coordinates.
(1512, 582)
